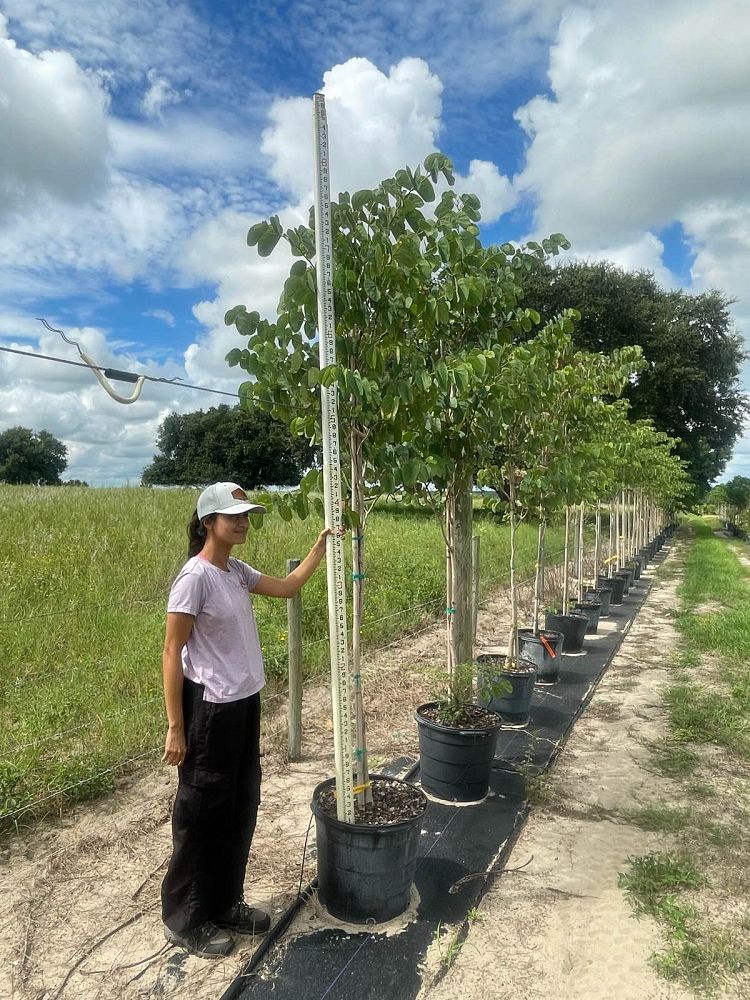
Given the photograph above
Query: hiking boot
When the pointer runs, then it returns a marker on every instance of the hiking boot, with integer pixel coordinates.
(244, 919)
(206, 941)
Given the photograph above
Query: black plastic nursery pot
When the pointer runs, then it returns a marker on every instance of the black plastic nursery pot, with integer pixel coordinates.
(572, 626)
(514, 706)
(602, 595)
(635, 567)
(543, 650)
(617, 586)
(455, 764)
(592, 611)
(627, 576)
(365, 873)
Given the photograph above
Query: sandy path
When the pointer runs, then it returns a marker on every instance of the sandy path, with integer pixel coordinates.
(561, 928)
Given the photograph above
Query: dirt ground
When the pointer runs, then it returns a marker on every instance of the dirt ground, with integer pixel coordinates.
(79, 897)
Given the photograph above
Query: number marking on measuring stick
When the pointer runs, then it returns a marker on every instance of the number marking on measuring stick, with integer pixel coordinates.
(332, 486)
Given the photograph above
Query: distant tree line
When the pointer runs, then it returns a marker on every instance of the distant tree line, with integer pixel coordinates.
(690, 386)
(32, 458)
(227, 443)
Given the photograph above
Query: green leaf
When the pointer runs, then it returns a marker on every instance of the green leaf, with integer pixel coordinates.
(256, 232)
(329, 375)
(361, 198)
(233, 357)
(425, 190)
(298, 268)
(479, 364)
(231, 314)
(267, 243)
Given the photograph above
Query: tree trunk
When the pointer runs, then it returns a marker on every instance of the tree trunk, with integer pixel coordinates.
(513, 640)
(362, 782)
(539, 574)
(597, 543)
(566, 567)
(579, 568)
(459, 529)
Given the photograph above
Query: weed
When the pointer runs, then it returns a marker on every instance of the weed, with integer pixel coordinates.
(661, 818)
(697, 715)
(701, 960)
(655, 877)
(675, 761)
(686, 660)
(450, 951)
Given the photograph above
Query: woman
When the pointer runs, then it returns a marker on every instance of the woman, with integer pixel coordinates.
(213, 673)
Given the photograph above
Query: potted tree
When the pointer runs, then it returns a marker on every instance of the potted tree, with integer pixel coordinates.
(378, 239)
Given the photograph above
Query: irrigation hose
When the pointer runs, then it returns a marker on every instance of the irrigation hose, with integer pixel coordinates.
(236, 988)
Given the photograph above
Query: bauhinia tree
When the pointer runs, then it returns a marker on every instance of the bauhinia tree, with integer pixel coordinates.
(383, 247)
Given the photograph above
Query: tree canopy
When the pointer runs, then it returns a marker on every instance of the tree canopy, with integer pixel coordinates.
(689, 387)
(32, 457)
(223, 443)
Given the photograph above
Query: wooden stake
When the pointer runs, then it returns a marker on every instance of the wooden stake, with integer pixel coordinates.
(294, 652)
(474, 586)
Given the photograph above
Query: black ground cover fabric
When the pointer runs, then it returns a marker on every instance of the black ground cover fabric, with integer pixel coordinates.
(456, 842)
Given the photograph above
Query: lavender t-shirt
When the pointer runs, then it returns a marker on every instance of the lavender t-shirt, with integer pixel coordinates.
(223, 651)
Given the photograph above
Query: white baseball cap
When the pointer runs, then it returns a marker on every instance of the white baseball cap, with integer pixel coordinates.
(226, 498)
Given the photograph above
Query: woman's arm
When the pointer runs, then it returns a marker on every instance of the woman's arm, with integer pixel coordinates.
(179, 627)
(288, 586)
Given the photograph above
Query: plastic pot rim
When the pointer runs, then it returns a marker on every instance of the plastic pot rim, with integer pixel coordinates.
(548, 633)
(421, 721)
(319, 812)
(530, 666)
(570, 614)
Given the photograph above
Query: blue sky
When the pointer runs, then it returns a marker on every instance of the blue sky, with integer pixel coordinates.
(143, 140)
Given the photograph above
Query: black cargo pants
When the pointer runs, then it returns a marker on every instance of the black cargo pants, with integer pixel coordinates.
(215, 809)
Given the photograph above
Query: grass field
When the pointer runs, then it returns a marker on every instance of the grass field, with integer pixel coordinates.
(86, 575)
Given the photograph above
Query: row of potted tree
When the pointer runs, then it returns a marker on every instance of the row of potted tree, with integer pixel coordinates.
(444, 380)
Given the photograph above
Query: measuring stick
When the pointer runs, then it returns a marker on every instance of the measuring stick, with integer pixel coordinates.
(332, 491)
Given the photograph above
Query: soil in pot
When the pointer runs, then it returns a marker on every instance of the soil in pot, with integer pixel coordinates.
(366, 869)
(572, 626)
(455, 761)
(544, 651)
(513, 705)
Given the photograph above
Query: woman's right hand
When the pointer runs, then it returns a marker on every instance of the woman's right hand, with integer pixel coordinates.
(175, 747)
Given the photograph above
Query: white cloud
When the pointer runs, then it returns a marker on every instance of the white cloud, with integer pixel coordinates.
(53, 124)
(376, 123)
(494, 190)
(159, 95)
(194, 143)
(162, 314)
(644, 121)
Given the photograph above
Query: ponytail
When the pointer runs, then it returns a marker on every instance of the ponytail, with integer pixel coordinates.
(196, 533)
